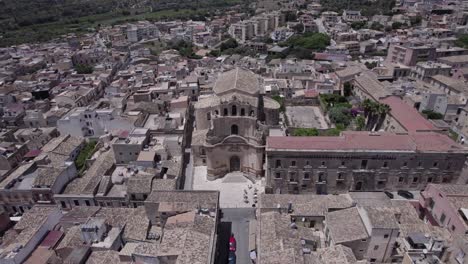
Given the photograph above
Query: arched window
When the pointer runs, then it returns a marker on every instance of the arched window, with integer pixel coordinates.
(278, 163)
(234, 110)
(225, 111)
(216, 112)
(252, 113)
(208, 116)
(358, 186)
(234, 130)
(242, 112)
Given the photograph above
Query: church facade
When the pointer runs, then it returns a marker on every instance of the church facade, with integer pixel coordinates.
(232, 125)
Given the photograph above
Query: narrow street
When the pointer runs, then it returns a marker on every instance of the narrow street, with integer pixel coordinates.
(238, 220)
(188, 185)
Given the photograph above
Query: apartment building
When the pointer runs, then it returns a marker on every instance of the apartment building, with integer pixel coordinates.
(447, 205)
(90, 122)
(410, 54)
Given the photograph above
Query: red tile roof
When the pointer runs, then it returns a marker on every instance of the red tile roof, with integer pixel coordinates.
(311, 93)
(365, 141)
(52, 238)
(123, 134)
(330, 57)
(408, 116)
(33, 153)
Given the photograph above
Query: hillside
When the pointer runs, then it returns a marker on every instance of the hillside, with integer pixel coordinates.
(40, 20)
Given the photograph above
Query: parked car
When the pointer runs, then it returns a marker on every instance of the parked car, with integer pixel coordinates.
(389, 194)
(232, 258)
(405, 194)
(232, 243)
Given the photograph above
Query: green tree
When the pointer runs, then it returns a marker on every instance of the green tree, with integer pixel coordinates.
(416, 20)
(382, 111)
(358, 25)
(84, 69)
(340, 115)
(311, 41)
(397, 25)
(280, 100)
(214, 53)
(432, 115)
(298, 28)
(303, 132)
(377, 26)
(185, 48)
(347, 89)
(462, 41)
(370, 109)
(330, 100)
(228, 44)
(375, 114)
(84, 154)
(332, 132)
(290, 16)
(360, 123)
(371, 65)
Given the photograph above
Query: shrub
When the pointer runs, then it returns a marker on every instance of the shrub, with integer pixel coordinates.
(340, 115)
(306, 132)
(85, 154)
(433, 115)
(84, 69)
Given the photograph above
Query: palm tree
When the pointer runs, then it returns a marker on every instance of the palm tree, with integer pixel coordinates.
(366, 105)
(383, 110)
(373, 116)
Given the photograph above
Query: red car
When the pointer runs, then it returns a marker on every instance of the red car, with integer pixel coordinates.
(232, 243)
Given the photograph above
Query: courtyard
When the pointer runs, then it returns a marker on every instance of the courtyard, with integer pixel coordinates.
(236, 190)
(306, 117)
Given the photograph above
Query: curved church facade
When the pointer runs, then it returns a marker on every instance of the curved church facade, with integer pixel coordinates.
(232, 125)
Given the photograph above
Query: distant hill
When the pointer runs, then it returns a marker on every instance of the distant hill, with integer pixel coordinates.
(19, 13)
(38, 20)
(367, 7)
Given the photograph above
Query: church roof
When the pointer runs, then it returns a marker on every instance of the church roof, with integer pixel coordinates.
(239, 80)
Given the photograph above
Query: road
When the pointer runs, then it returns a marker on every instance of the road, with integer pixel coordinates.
(188, 185)
(238, 219)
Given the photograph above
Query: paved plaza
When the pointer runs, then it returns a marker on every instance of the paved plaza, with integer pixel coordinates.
(306, 116)
(236, 190)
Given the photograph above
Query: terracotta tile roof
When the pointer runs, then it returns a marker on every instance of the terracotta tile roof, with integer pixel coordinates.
(346, 225)
(311, 93)
(238, 79)
(365, 141)
(407, 116)
(52, 239)
(33, 153)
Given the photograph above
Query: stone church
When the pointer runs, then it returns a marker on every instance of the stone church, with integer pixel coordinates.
(232, 125)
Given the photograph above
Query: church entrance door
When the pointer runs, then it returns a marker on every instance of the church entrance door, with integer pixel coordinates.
(234, 164)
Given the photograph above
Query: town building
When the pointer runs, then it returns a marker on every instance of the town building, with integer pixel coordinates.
(231, 125)
(409, 54)
(95, 122)
(446, 204)
(424, 70)
(361, 161)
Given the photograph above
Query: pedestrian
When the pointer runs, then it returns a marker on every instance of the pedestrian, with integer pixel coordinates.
(253, 256)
